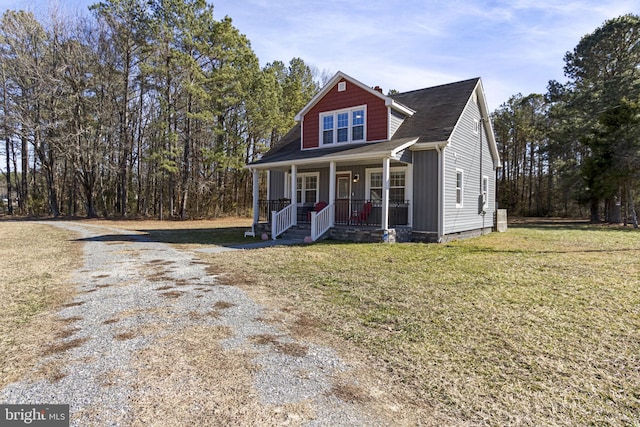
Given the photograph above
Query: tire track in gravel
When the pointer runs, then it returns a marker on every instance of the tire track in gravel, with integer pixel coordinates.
(153, 339)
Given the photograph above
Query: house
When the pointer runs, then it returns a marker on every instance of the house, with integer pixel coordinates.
(364, 166)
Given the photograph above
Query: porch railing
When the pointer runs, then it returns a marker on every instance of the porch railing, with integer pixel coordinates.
(265, 207)
(282, 220)
(321, 221)
(354, 212)
(369, 213)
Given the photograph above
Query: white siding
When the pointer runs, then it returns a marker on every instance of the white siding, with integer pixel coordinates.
(395, 120)
(468, 151)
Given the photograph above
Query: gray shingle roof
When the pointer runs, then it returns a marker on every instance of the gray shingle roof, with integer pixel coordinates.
(437, 110)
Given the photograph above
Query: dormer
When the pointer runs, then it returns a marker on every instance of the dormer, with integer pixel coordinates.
(346, 111)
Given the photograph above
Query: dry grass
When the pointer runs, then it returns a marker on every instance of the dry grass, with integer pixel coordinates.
(189, 377)
(34, 272)
(537, 326)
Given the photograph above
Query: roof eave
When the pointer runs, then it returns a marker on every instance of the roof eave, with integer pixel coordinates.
(399, 107)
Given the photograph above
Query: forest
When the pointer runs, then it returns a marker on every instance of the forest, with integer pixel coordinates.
(142, 109)
(152, 108)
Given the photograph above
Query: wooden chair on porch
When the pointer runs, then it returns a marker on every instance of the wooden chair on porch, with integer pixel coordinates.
(317, 208)
(361, 217)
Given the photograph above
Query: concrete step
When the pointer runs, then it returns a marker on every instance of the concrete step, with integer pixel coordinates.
(296, 233)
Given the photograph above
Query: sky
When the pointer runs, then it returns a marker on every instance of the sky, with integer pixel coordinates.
(514, 46)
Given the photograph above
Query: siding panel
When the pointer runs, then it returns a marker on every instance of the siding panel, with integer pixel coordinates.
(351, 97)
(425, 189)
(468, 151)
(396, 120)
(276, 185)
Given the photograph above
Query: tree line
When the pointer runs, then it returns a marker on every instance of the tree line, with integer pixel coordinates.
(575, 150)
(152, 108)
(140, 108)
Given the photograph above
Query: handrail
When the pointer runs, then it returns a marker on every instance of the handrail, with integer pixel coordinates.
(282, 220)
(322, 221)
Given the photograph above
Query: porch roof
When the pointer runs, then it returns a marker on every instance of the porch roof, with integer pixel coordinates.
(290, 154)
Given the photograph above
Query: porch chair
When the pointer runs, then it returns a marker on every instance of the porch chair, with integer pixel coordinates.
(361, 217)
(317, 208)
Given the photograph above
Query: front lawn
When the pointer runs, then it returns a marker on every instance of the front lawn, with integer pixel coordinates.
(536, 326)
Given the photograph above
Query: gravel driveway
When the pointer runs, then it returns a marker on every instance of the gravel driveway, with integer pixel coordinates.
(146, 317)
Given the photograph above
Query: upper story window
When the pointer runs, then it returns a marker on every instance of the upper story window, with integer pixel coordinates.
(343, 126)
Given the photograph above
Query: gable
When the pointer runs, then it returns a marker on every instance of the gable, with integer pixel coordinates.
(334, 100)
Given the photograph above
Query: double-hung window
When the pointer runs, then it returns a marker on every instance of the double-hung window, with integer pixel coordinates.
(397, 185)
(327, 129)
(459, 188)
(307, 188)
(343, 126)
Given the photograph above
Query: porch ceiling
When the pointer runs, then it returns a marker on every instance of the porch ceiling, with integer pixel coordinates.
(351, 153)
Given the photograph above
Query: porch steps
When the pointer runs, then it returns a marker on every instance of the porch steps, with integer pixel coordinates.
(298, 233)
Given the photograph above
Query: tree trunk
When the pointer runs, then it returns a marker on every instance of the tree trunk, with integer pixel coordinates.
(595, 210)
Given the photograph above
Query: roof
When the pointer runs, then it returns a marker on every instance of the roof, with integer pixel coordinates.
(437, 111)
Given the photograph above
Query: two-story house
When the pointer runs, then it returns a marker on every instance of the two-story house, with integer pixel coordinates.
(364, 166)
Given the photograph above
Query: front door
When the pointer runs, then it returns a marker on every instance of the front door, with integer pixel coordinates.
(343, 196)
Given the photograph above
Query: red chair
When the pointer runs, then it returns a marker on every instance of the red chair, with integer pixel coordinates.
(362, 216)
(317, 208)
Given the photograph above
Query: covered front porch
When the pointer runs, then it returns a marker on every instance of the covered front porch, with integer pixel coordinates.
(359, 213)
(365, 196)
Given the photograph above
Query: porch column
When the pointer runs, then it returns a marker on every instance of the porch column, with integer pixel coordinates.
(256, 191)
(268, 185)
(332, 183)
(386, 165)
(294, 192)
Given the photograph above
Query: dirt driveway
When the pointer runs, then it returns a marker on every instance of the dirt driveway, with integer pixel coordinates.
(154, 339)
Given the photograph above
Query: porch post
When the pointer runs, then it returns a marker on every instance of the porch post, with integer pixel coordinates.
(332, 183)
(256, 191)
(294, 192)
(386, 165)
(268, 185)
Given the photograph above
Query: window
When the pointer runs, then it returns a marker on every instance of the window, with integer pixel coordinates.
(485, 190)
(476, 126)
(343, 126)
(459, 188)
(357, 131)
(375, 186)
(327, 130)
(397, 185)
(307, 188)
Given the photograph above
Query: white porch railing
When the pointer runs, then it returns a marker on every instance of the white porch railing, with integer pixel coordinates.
(282, 220)
(322, 221)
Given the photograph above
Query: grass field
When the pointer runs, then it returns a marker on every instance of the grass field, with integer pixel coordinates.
(35, 268)
(537, 326)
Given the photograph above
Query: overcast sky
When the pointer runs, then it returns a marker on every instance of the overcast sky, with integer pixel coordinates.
(515, 46)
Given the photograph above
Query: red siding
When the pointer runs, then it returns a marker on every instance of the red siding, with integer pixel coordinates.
(353, 96)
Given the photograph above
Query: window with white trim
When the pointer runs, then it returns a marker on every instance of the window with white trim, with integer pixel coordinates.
(476, 126)
(485, 190)
(397, 185)
(459, 188)
(307, 188)
(343, 126)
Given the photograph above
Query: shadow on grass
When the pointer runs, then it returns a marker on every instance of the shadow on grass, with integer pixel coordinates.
(224, 236)
(567, 224)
